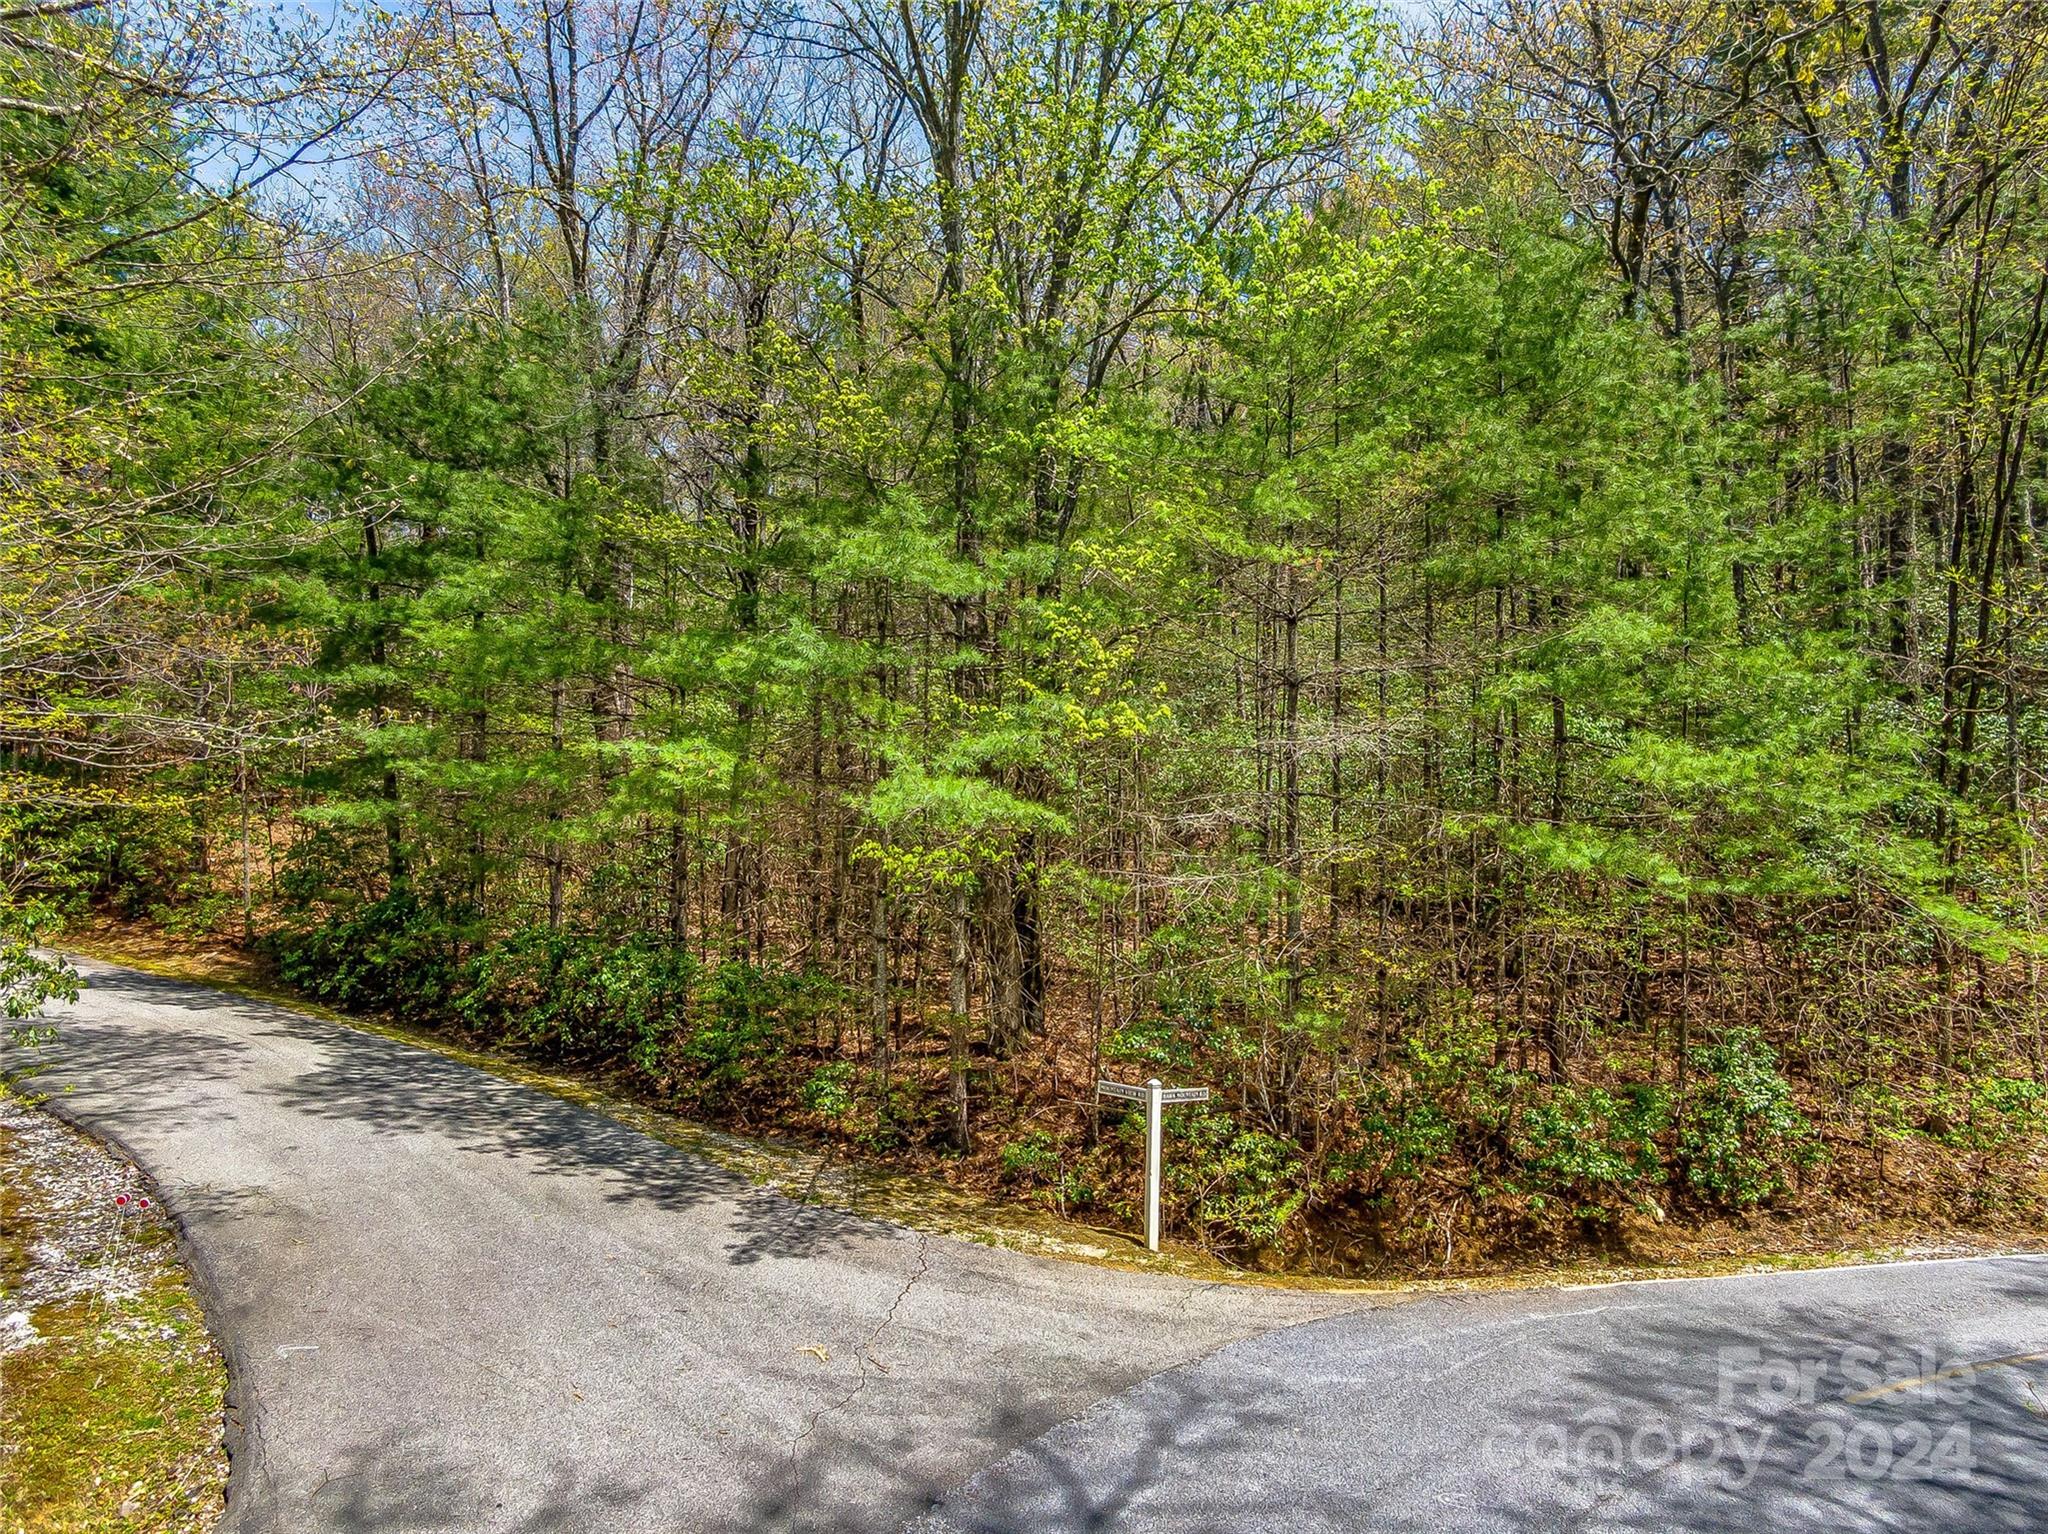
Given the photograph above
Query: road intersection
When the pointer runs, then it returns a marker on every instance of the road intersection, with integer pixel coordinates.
(454, 1302)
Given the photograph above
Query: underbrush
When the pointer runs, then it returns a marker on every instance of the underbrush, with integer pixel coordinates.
(719, 1037)
(1451, 1152)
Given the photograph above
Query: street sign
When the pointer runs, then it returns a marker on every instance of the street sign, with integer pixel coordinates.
(1155, 1097)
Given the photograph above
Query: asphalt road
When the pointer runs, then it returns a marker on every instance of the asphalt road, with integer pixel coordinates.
(1911, 1398)
(455, 1303)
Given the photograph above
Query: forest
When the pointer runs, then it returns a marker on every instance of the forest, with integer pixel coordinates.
(1470, 581)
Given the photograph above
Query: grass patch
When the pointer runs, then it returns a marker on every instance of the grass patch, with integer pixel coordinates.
(111, 1414)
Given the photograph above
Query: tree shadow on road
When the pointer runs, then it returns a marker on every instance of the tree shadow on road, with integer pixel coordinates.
(394, 1088)
(165, 1080)
(1658, 1417)
(1059, 1482)
(165, 991)
(386, 1484)
(173, 1076)
(1808, 1416)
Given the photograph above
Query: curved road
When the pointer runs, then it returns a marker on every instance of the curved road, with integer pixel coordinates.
(455, 1303)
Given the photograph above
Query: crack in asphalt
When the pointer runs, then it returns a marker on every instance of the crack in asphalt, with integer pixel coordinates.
(862, 1359)
(1194, 1292)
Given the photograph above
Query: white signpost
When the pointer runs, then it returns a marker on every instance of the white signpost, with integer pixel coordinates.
(1154, 1096)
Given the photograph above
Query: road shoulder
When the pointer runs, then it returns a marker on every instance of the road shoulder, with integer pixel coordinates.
(112, 1416)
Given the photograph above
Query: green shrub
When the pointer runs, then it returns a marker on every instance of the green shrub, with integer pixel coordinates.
(508, 979)
(27, 978)
(2003, 1111)
(1402, 1134)
(1740, 1133)
(127, 856)
(1244, 1184)
(1030, 1158)
(1451, 1051)
(196, 914)
(611, 999)
(745, 1022)
(1887, 1113)
(1590, 1146)
(898, 1114)
(395, 956)
(829, 1091)
(1158, 1041)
